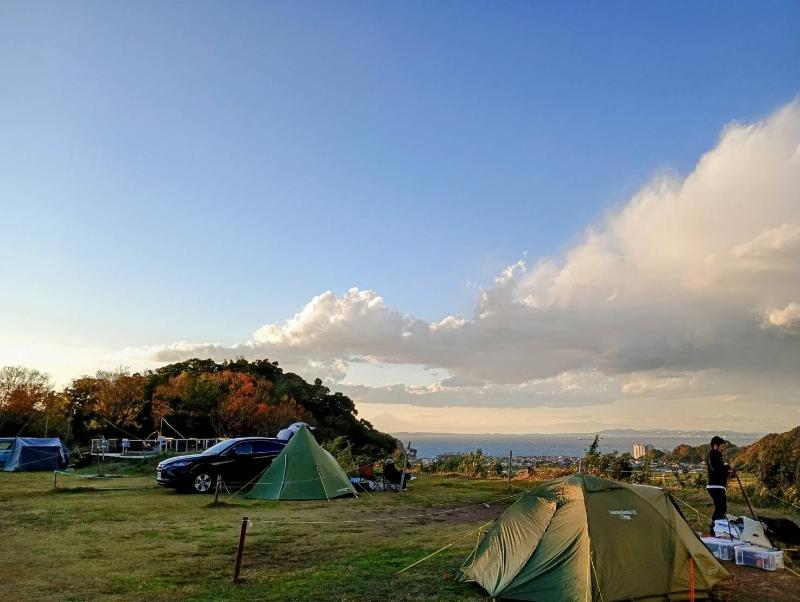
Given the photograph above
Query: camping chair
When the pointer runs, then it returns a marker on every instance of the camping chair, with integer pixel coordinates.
(366, 478)
(373, 481)
(367, 471)
(393, 483)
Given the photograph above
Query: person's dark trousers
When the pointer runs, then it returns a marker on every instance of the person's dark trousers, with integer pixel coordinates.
(718, 496)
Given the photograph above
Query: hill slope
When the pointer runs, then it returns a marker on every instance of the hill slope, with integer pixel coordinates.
(775, 459)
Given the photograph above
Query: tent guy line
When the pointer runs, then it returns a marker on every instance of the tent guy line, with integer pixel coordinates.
(443, 548)
(39, 459)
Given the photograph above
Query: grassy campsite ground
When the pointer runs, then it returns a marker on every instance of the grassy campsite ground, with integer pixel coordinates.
(123, 538)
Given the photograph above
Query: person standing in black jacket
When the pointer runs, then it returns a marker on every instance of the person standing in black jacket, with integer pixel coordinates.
(718, 473)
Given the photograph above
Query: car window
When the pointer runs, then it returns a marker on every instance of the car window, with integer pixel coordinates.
(243, 449)
(218, 448)
(267, 447)
(4, 445)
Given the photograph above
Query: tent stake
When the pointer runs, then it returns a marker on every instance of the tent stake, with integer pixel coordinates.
(240, 551)
(55, 480)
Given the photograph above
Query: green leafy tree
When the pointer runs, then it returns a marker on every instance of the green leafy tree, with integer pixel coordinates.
(592, 457)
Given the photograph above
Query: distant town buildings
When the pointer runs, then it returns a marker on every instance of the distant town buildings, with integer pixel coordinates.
(640, 450)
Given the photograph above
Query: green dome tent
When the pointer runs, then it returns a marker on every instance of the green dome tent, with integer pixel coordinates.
(302, 471)
(585, 538)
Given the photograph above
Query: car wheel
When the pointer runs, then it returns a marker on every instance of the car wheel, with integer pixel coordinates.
(202, 482)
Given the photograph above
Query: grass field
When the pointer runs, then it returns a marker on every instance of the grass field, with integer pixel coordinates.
(82, 544)
(124, 538)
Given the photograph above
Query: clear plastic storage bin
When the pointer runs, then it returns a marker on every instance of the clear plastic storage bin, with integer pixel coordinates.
(761, 558)
(721, 548)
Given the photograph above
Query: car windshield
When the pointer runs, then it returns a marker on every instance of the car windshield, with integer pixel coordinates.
(218, 448)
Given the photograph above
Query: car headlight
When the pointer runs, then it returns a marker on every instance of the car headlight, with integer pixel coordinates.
(178, 464)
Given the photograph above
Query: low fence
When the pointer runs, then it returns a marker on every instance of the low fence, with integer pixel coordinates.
(147, 447)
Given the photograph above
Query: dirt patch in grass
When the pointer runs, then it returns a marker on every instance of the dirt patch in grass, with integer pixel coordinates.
(751, 584)
(479, 513)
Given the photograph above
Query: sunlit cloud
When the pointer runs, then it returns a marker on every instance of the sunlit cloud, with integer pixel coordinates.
(692, 288)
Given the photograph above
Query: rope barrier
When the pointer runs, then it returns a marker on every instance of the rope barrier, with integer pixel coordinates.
(783, 500)
(104, 477)
(92, 476)
(391, 518)
(97, 489)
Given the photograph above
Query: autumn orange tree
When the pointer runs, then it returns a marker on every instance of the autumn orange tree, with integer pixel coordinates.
(200, 397)
(237, 404)
(27, 399)
(120, 397)
(278, 413)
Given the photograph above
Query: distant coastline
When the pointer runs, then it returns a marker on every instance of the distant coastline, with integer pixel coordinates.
(430, 445)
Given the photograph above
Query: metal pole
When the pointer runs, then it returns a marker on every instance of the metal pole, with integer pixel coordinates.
(240, 551)
(509, 469)
(405, 464)
(744, 493)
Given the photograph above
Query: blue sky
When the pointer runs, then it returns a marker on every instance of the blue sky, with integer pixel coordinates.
(192, 171)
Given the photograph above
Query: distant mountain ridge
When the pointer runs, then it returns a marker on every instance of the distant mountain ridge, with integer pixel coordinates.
(610, 432)
(430, 445)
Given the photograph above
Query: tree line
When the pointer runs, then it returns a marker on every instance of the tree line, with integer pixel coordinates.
(197, 398)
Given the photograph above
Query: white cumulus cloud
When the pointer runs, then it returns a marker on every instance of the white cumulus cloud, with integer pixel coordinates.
(695, 275)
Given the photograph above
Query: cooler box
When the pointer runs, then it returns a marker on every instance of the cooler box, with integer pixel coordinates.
(758, 557)
(722, 549)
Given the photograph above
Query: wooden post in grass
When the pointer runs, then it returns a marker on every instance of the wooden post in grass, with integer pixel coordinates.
(55, 480)
(216, 491)
(240, 551)
(509, 469)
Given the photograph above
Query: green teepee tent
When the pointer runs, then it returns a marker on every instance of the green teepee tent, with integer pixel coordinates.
(302, 471)
(585, 538)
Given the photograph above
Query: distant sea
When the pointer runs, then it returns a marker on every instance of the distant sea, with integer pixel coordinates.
(430, 445)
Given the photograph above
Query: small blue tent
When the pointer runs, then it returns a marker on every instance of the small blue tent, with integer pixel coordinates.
(28, 453)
